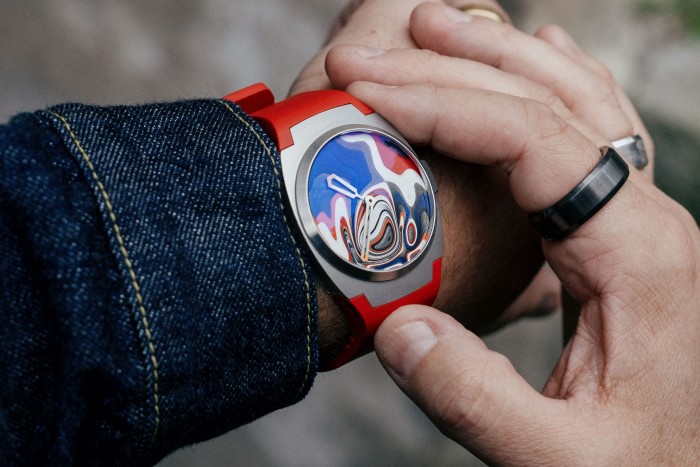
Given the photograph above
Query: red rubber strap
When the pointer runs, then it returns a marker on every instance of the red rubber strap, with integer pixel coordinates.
(252, 98)
(277, 120)
(364, 319)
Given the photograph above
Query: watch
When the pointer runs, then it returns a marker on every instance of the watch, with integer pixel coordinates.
(363, 203)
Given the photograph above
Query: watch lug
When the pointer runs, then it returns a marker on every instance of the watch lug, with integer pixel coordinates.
(252, 98)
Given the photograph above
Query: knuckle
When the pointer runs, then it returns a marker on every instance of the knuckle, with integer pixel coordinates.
(676, 248)
(506, 35)
(544, 127)
(548, 30)
(508, 32)
(667, 269)
(554, 102)
(430, 59)
(626, 127)
(546, 123)
(686, 218)
(607, 76)
(604, 90)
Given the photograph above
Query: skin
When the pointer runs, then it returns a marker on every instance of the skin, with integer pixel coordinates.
(483, 228)
(624, 391)
(488, 258)
(548, 67)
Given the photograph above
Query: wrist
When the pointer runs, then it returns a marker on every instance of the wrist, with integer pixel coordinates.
(333, 328)
(365, 207)
(490, 250)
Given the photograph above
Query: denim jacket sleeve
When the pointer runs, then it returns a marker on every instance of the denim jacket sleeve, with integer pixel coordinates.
(152, 292)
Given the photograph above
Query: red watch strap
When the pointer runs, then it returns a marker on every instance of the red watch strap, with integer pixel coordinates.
(254, 97)
(277, 120)
(364, 319)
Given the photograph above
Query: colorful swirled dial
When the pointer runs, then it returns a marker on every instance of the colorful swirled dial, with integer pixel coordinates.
(370, 201)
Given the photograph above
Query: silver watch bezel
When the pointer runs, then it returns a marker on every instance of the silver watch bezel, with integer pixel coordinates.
(309, 226)
(309, 136)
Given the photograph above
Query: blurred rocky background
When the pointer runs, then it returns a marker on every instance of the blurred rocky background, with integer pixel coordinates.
(130, 51)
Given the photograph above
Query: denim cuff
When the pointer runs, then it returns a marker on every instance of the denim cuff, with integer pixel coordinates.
(197, 310)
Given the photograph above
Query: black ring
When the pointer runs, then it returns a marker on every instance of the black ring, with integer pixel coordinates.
(586, 199)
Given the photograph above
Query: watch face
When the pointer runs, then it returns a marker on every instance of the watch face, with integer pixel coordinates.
(371, 203)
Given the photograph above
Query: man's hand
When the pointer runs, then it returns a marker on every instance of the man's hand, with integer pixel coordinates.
(372, 23)
(624, 390)
(490, 251)
(547, 67)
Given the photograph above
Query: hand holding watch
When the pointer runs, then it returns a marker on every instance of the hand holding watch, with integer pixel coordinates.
(362, 201)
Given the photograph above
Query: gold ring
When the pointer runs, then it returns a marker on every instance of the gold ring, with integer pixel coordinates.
(483, 12)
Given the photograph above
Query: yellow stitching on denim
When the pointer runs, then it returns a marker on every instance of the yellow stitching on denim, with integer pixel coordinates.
(296, 247)
(129, 266)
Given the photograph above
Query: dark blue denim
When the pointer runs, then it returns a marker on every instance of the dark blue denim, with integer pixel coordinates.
(151, 291)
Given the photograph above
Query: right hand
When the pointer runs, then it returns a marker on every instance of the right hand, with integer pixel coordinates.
(624, 391)
(547, 67)
(483, 229)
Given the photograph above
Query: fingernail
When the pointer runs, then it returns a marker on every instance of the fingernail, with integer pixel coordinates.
(404, 348)
(457, 16)
(367, 52)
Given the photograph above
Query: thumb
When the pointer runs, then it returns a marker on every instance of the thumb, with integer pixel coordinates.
(472, 394)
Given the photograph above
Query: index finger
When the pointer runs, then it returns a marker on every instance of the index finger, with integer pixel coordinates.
(545, 159)
(544, 156)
